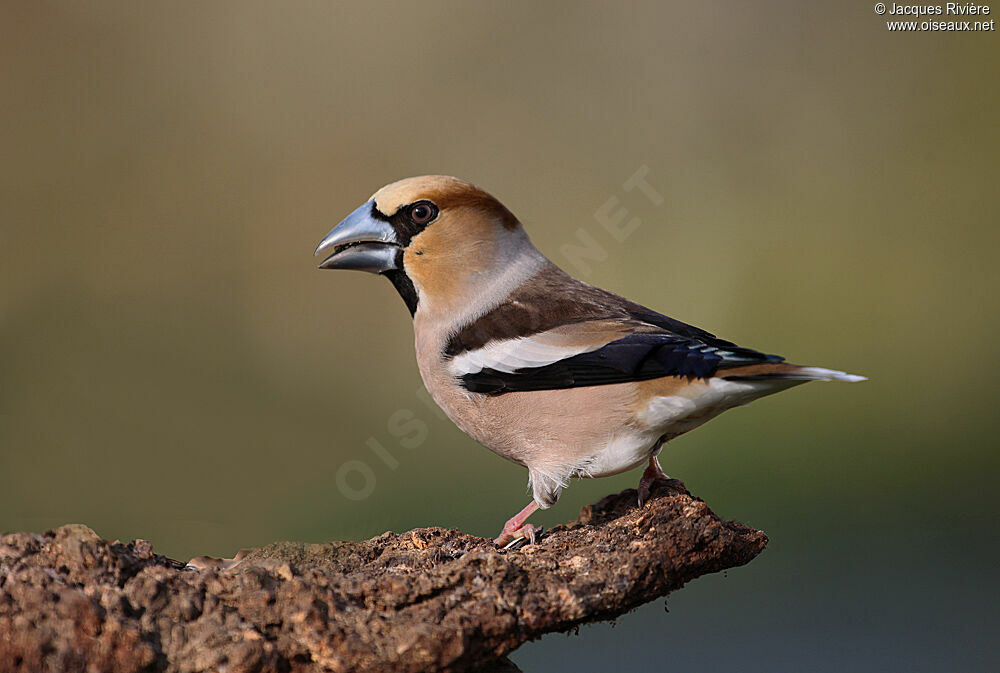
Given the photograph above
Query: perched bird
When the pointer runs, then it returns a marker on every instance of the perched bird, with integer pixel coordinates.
(559, 376)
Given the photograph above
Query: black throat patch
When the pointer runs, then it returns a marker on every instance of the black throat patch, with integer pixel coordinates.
(404, 286)
(405, 231)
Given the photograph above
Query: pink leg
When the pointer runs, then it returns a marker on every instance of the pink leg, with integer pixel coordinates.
(649, 475)
(516, 528)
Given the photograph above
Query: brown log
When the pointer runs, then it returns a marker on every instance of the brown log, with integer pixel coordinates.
(426, 600)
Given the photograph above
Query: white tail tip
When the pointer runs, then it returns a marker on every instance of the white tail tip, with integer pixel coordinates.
(821, 374)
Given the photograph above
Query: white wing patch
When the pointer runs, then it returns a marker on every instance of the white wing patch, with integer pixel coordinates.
(509, 355)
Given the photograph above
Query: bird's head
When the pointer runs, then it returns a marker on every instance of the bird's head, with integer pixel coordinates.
(440, 240)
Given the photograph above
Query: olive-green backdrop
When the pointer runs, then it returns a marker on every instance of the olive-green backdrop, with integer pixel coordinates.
(174, 367)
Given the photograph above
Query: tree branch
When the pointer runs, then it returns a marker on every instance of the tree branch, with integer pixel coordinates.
(426, 600)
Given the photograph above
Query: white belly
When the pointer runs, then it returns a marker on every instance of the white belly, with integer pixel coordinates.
(675, 414)
(668, 416)
(622, 453)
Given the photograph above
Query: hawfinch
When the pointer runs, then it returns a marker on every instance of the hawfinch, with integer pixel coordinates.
(559, 376)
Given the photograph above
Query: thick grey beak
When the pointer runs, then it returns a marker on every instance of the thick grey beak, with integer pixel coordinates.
(362, 242)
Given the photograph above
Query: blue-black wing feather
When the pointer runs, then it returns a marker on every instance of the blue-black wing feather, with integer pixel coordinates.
(636, 357)
(661, 346)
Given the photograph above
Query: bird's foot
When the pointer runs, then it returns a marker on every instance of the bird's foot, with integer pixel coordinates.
(526, 534)
(651, 474)
(516, 529)
(206, 562)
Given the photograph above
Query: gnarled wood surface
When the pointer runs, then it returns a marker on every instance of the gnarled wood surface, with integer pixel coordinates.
(426, 600)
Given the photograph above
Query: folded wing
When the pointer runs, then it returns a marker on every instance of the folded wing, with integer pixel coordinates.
(583, 355)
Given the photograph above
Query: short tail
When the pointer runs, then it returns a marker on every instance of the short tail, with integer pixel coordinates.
(785, 371)
(821, 374)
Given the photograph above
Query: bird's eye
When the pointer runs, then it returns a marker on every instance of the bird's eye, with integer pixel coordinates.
(423, 212)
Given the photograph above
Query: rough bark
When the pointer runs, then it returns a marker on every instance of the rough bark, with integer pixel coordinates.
(426, 600)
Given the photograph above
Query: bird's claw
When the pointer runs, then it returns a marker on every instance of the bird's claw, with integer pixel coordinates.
(210, 562)
(650, 475)
(526, 534)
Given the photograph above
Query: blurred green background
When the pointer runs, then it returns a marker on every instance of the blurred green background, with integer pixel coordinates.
(174, 367)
